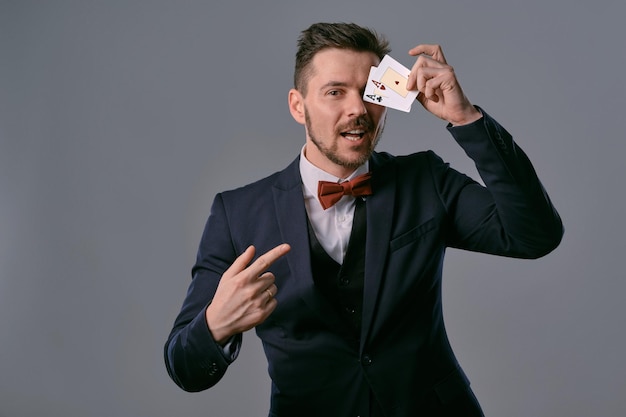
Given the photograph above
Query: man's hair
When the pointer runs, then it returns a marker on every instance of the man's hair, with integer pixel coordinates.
(321, 36)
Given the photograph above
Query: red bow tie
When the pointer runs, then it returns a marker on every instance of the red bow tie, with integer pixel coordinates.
(331, 192)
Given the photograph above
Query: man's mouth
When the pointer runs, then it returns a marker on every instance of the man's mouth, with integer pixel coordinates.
(353, 135)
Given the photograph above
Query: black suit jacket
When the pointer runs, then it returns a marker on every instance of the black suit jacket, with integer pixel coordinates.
(419, 207)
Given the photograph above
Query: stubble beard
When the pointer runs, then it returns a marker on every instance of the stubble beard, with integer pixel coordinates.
(332, 152)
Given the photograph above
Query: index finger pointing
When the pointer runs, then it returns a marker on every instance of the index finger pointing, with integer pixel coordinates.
(240, 263)
(264, 261)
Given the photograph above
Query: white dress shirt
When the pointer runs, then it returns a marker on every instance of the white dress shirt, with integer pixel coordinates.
(332, 226)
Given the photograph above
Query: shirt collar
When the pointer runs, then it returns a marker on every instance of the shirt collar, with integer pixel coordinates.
(311, 174)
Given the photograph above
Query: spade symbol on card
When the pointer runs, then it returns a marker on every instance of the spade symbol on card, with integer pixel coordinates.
(375, 97)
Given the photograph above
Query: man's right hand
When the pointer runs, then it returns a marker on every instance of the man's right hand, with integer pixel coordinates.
(245, 295)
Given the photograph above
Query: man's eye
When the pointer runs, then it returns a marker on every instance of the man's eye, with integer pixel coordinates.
(334, 92)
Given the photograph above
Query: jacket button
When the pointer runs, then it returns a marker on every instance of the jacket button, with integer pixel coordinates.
(366, 360)
(213, 369)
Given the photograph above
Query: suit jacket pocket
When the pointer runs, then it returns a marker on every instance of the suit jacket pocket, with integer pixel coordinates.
(412, 235)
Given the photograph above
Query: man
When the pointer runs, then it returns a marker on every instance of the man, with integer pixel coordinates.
(350, 316)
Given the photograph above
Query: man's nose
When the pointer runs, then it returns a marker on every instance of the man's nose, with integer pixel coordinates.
(356, 105)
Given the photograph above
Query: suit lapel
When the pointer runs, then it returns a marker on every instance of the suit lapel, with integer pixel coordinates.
(292, 222)
(380, 208)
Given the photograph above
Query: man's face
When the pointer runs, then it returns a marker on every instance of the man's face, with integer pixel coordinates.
(341, 129)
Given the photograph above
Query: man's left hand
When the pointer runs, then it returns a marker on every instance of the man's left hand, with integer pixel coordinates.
(439, 90)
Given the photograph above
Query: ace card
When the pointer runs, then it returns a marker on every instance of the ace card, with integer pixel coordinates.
(386, 85)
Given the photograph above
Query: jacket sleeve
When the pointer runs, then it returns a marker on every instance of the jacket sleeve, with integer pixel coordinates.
(512, 215)
(194, 360)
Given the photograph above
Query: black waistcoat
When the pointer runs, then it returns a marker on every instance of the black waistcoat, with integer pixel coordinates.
(342, 284)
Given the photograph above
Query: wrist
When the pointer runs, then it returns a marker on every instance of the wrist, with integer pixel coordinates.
(470, 116)
(219, 333)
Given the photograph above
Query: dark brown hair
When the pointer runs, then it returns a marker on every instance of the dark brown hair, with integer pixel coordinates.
(334, 35)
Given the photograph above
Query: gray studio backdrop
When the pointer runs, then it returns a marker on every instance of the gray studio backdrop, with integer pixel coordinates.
(120, 120)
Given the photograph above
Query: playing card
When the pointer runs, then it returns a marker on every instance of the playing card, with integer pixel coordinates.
(386, 85)
(394, 80)
(374, 90)
(377, 93)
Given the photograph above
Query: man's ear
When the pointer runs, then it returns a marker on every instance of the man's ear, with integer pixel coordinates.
(296, 106)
